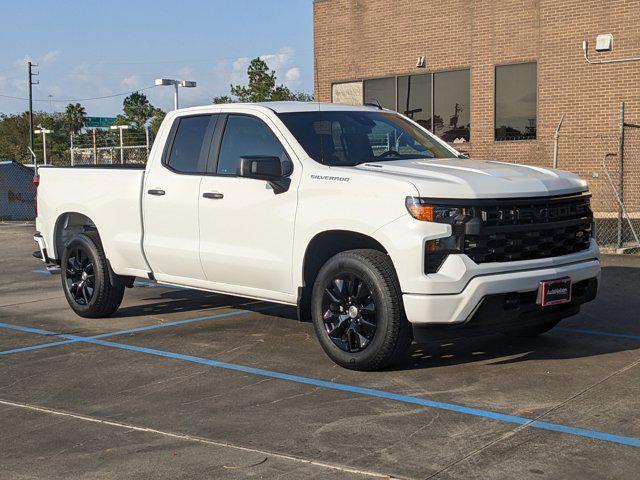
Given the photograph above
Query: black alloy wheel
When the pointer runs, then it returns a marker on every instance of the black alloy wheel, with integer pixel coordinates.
(349, 312)
(87, 280)
(80, 276)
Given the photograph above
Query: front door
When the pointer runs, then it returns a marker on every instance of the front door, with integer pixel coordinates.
(170, 201)
(246, 230)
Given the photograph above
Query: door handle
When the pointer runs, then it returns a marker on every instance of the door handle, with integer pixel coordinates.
(213, 195)
(155, 191)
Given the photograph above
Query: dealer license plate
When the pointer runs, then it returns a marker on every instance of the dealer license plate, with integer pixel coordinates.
(555, 292)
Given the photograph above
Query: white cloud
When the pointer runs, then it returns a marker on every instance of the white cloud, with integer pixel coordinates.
(292, 77)
(131, 81)
(50, 56)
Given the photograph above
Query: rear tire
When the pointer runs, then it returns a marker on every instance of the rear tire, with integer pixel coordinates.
(85, 278)
(357, 312)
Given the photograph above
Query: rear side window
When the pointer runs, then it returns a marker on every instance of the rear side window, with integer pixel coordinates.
(191, 143)
(245, 136)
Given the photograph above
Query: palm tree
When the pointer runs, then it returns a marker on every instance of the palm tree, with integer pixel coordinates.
(75, 117)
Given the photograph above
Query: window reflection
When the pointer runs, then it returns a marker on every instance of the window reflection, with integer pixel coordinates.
(516, 97)
(451, 105)
(414, 98)
(381, 90)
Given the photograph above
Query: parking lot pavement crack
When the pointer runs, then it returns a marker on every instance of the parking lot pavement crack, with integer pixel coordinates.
(201, 440)
(29, 301)
(533, 421)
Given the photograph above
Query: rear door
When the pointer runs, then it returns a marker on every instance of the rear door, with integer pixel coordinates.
(246, 230)
(170, 201)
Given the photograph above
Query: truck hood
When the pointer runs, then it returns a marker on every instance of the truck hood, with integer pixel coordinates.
(465, 178)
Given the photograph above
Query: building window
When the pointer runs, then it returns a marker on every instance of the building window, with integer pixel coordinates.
(348, 93)
(439, 102)
(515, 102)
(451, 105)
(414, 98)
(382, 91)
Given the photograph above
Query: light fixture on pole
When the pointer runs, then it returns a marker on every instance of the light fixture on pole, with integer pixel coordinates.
(176, 84)
(44, 133)
(121, 128)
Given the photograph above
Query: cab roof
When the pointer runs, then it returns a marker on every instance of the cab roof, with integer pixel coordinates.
(286, 107)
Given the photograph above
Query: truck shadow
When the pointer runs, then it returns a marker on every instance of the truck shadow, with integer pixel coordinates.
(614, 311)
(178, 300)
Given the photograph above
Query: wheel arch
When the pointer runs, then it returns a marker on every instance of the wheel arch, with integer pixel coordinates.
(321, 248)
(67, 225)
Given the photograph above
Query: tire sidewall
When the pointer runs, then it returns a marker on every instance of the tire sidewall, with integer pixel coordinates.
(341, 264)
(87, 244)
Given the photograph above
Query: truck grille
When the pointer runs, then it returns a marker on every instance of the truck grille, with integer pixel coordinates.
(526, 229)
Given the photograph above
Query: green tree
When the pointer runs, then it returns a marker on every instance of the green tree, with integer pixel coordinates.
(156, 121)
(75, 117)
(137, 110)
(262, 87)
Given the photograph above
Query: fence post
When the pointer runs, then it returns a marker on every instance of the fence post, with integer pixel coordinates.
(621, 175)
(72, 153)
(95, 147)
(146, 137)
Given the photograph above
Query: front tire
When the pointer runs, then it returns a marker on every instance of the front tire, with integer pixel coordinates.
(85, 278)
(357, 311)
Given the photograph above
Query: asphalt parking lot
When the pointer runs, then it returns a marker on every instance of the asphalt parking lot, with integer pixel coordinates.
(186, 384)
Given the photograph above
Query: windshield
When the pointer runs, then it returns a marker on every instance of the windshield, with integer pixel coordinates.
(347, 138)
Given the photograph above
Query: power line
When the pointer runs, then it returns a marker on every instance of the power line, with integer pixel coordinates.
(66, 100)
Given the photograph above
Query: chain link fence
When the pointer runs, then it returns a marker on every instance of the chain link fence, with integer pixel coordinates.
(615, 185)
(93, 147)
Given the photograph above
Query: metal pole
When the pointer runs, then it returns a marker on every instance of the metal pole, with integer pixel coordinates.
(121, 151)
(175, 96)
(556, 136)
(30, 107)
(95, 147)
(146, 137)
(621, 175)
(44, 147)
(72, 152)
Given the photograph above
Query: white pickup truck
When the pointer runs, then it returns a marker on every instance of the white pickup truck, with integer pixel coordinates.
(377, 230)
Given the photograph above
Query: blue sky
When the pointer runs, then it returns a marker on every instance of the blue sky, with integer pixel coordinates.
(94, 48)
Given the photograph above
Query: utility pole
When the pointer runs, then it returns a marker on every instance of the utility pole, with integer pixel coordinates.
(31, 84)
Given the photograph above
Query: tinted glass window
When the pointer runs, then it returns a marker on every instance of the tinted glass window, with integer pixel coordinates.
(451, 105)
(347, 138)
(245, 136)
(414, 98)
(190, 146)
(516, 97)
(382, 90)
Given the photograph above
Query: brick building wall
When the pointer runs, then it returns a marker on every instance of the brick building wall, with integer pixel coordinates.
(359, 39)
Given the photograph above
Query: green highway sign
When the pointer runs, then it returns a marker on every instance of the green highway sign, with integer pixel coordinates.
(99, 122)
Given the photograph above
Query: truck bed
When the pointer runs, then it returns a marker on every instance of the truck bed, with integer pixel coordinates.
(109, 195)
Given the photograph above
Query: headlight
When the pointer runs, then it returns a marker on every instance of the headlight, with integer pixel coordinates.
(456, 216)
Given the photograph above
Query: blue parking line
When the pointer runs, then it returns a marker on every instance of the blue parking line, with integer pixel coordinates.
(587, 331)
(76, 339)
(370, 392)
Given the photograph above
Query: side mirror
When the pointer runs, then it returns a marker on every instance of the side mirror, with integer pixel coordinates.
(270, 169)
(261, 168)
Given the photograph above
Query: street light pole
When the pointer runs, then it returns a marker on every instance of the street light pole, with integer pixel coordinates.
(121, 128)
(176, 84)
(44, 132)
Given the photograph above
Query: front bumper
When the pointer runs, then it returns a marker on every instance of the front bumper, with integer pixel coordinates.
(458, 308)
